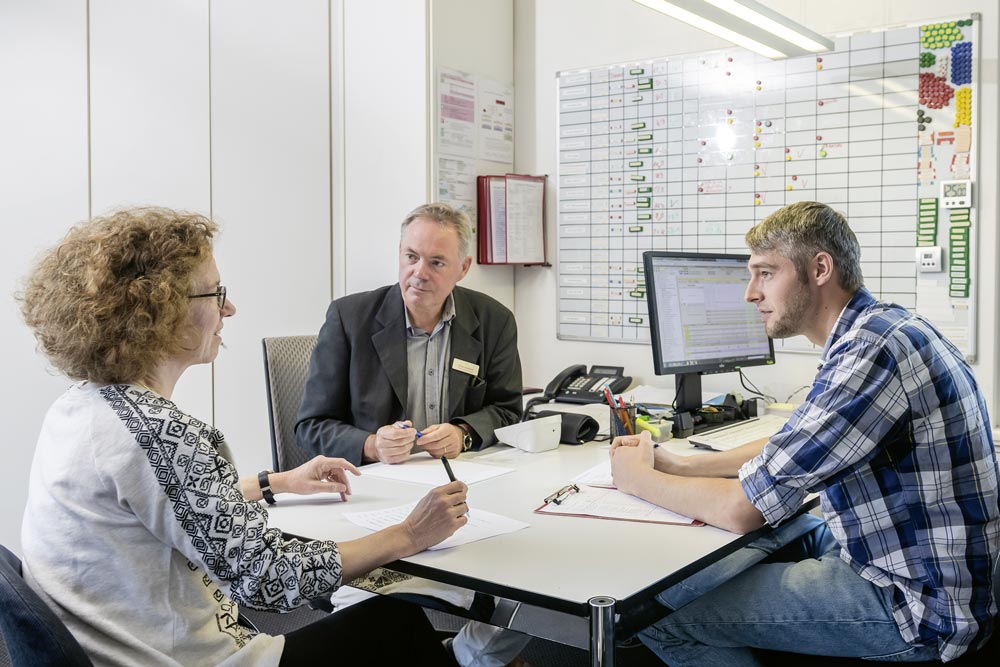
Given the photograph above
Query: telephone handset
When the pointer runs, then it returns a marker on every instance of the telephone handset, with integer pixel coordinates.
(576, 385)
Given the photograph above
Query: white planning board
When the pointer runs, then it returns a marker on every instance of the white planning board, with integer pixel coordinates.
(687, 153)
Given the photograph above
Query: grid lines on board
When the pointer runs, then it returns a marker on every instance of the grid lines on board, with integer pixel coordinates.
(689, 153)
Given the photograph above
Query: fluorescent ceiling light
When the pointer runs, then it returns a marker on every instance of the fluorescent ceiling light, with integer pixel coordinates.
(745, 23)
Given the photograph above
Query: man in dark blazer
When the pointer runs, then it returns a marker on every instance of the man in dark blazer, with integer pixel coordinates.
(422, 338)
(421, 356)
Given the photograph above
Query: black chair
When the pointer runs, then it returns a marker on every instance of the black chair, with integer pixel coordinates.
(35, 637)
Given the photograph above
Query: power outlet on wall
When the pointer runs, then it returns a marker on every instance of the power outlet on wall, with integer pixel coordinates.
(930, 259)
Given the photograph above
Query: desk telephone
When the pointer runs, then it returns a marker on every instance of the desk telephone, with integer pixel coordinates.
(576, 385)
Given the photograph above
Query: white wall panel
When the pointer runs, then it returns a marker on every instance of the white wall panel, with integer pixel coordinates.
(385, 125)
(485, 53)
(270, 193)
(43, 191)
(149, 121)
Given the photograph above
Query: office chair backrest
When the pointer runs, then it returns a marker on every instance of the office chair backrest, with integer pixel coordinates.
(286, 365)
(34, 636)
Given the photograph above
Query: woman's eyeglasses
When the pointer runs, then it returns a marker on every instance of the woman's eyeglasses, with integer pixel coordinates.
(220, 296)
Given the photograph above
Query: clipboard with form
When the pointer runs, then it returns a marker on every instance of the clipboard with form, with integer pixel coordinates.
(605, 503)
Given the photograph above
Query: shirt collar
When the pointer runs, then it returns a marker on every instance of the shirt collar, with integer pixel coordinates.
(861, 301)
(447, 315)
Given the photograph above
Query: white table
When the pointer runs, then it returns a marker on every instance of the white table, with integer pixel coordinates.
(594, 577)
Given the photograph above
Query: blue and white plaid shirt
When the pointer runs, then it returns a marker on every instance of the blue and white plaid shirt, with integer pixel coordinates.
(895, 437)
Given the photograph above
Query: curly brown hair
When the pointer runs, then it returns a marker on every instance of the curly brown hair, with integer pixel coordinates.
(110, 302)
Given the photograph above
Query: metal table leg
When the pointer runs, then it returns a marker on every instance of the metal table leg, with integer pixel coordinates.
(602, 631)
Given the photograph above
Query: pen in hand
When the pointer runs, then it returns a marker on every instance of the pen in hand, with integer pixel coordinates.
(447, 469)
(417, 434)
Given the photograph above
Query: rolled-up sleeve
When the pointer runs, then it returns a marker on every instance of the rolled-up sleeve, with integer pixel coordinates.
(856, 400)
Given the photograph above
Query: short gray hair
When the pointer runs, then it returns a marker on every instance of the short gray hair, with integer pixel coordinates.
(445, 215)
(801, 230)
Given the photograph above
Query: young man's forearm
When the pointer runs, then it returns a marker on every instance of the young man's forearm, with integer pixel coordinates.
(718, 464)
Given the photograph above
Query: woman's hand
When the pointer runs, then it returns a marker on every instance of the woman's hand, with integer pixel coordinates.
(438, 514)
(321, 474)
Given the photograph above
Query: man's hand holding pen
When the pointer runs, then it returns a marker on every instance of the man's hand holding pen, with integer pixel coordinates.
(441, 440)
(391, 443)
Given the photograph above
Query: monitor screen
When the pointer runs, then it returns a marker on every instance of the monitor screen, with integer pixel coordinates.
(699, 319)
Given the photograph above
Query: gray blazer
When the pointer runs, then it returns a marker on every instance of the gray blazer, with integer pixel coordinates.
(357, 374)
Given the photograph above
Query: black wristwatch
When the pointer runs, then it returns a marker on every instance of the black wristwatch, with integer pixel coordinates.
(467, 436)
(265, 486)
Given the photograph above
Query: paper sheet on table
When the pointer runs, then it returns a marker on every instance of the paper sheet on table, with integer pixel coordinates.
(501, 454)
(601, 503)
(424, 469)
(482, 524)
(599, 475)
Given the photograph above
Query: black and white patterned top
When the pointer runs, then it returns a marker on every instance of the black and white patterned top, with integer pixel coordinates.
(137, 534)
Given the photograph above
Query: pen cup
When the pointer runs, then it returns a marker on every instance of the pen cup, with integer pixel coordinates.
(618, 426)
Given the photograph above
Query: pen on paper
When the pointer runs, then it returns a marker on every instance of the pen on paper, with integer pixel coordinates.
(415, 433)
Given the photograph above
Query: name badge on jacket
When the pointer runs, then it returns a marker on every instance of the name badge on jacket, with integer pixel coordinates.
(466, 367)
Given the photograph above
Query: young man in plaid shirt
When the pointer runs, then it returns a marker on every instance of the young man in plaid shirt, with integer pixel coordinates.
(895, 438)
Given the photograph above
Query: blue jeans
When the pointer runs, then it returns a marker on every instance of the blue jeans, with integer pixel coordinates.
(802, 599)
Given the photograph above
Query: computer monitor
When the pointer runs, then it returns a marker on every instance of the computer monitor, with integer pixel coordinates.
(699, 320)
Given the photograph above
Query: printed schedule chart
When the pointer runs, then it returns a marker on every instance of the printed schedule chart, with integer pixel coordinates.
(688, 153)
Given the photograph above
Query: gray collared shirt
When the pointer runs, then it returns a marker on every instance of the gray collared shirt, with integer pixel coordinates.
(427, 368)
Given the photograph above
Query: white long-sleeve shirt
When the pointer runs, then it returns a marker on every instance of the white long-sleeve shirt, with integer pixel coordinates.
(137, 535)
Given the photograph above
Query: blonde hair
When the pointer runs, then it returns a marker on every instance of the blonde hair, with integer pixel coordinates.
(801, 230)
(110, 301)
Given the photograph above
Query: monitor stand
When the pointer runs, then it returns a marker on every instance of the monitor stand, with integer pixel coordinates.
(689, 399)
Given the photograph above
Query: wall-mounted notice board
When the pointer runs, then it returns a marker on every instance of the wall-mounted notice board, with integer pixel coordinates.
(687, 153)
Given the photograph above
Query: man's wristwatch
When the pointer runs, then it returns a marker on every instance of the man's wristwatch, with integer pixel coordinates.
(265, 486)
(466, 437)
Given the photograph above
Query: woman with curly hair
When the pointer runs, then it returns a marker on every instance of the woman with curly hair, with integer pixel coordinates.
(138, 531)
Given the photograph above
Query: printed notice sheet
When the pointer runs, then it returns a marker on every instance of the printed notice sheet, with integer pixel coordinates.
(457, 184)
(424, 469)
(456, 113)
(496, 121)
(482, 524)
(525, 208)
